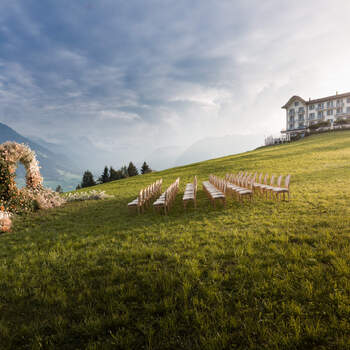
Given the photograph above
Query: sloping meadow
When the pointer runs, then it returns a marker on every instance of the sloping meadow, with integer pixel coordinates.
(253, 275)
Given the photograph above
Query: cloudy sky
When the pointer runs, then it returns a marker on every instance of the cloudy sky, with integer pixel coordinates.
(133, 76)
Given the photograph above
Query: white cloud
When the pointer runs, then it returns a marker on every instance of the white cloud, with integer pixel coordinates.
(118, 115)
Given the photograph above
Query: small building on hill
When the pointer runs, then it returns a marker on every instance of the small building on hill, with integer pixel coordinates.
(271, 140)
(301, 114)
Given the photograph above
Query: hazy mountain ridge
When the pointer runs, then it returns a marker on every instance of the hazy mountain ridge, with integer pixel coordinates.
(164, 157)
(214, 147)
(55, 168)
(203, 149)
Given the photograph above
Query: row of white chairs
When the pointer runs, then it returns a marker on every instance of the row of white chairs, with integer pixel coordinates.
(245, 184)
(167, 198)
(215, 189)
(273, 189)
(240, 186)
(146, 195)
(190, 193)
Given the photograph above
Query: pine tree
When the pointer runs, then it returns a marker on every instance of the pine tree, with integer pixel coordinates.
(124, 172)
(113, 174)
(59, 189)
(145, 169)
(132, 170)
(105, 177)
(88, 179)
(78, 187)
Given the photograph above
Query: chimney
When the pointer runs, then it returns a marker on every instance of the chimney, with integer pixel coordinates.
(309, 99)
(336, 93)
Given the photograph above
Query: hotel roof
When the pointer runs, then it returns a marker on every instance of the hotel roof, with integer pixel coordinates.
(318, 100)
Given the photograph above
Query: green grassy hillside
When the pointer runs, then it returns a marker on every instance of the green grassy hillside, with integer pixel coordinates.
(260, 275)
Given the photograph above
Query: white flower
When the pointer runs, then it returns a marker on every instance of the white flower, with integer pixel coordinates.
(83, 196)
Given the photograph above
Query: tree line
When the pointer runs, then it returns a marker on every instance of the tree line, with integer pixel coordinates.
(110, 174)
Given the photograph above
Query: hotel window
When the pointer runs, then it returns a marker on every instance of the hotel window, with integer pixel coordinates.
(339, 110)
(311, 107)
(329, 104)
(320, 106)
(348, 100)
(291, 111)
(296, 103)
(319, 114)
(330, 112)
(347, 109)
(301, 110)
(312, 116)
(339, 102)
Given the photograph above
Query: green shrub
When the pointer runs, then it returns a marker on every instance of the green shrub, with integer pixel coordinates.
(341, 122)
(320, 125)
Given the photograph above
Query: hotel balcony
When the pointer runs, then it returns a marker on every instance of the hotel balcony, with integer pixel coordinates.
(296, 130)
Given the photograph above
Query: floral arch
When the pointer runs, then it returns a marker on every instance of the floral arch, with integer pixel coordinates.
(14, 153)
(34, 195)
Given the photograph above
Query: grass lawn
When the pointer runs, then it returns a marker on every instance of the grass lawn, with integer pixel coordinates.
(260, 275)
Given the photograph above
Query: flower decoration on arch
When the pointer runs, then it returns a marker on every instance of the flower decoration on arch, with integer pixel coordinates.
(33, 196)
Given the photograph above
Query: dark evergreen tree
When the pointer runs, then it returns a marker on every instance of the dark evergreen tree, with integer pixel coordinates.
(124, 172)
(59, 189)
(120, 174)
(105, 177)
(132, 170)
(113, 174)
(145, 169)
(88, 179)
(78, 187)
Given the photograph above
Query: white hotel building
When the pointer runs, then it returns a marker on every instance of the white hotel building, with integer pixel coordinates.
(300, 113)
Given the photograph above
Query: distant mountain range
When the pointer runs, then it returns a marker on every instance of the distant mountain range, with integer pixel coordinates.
(214, 147)
(164, 157)
(56, 168)
(204, 149)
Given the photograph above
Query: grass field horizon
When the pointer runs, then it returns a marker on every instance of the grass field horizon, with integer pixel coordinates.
(259, 275)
